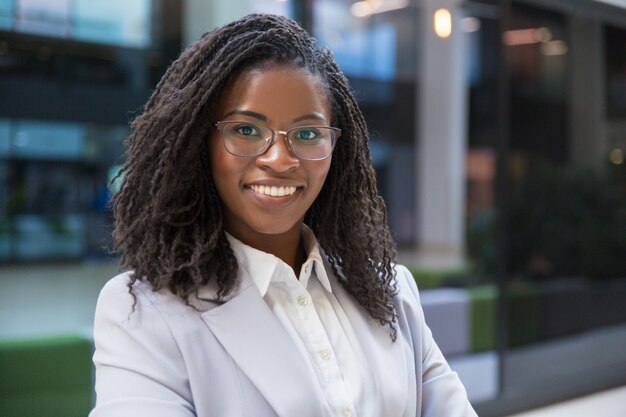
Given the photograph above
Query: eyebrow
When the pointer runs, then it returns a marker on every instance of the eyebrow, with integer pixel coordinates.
(262, 117)
(308, 117)
(248, 113)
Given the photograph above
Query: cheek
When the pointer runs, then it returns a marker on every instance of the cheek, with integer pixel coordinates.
(320, 171)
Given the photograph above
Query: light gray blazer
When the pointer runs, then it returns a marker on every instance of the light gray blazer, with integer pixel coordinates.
(232, 359)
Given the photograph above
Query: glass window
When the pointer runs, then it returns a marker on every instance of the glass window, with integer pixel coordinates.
(6, 14)
(560, 258)
(280, 7)
(376, 50)
(615, 39)
(102, 21)
(115, 22)
(55, 189)
(43, 17)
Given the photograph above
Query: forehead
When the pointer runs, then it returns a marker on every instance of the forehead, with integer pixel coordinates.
(279, 92)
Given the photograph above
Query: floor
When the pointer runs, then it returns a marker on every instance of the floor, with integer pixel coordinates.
(51, 299)
(610, 403)
(542, 373)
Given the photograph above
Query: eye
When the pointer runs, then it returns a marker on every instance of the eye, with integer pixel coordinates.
(247, 130)
(307, 134)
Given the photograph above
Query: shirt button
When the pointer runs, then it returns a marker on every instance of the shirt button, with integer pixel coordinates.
(307, 269)
(303, 300)
(346, 412)
(325, 354)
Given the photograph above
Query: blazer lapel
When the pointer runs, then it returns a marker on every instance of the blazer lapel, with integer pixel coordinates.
(386, 358)
(262, 348)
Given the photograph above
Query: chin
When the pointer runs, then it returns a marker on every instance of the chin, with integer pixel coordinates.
(274, 230)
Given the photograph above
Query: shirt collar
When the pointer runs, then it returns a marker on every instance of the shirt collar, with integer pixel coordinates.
(261, 266)
(312, 248)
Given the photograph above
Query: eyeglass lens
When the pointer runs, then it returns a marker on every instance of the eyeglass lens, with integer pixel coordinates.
(306, 142)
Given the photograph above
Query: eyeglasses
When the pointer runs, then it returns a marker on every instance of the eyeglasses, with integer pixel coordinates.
(312, 143)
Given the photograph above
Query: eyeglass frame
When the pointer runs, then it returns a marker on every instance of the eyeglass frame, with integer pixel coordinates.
(271, 140)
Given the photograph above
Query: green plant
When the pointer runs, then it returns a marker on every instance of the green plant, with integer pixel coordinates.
(568, 221)
(481, 242)
(560, 221)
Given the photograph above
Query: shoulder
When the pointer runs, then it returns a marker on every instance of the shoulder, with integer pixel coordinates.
(116, 293)
(117, 285)
(134, 317)
(407, 301)
(406, 286)
(118, 290)
(118, 298)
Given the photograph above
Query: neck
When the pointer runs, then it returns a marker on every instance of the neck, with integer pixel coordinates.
(286, 246)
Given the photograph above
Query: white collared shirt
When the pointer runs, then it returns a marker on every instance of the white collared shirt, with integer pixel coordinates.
(316, 322)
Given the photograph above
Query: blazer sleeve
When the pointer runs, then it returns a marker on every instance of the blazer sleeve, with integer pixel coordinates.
(139, 368)
(442, 392)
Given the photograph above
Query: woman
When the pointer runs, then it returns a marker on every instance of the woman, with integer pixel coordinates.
(251, 151)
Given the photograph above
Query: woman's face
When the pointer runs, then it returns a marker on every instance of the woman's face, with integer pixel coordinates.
(281, 98)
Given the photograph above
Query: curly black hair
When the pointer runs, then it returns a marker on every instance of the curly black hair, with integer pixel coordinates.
(168, 219)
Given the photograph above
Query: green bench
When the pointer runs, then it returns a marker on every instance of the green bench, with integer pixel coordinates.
(483, 317)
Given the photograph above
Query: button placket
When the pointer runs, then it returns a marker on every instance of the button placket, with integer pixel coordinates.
(303, 300)
(326, 354)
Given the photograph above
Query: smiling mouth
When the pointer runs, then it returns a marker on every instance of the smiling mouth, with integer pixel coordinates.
(273, 191)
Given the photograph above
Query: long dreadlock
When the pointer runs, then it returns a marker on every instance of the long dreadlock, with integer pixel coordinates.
(168, 220)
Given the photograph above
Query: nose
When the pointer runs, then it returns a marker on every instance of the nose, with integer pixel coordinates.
(278, 157)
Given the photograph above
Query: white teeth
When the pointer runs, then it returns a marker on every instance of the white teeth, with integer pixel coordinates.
(272, 190)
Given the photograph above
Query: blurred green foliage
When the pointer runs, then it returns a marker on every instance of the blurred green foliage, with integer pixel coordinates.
(434, 278)
(561, 221)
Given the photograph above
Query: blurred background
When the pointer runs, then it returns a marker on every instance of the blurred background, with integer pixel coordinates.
(498, 134)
